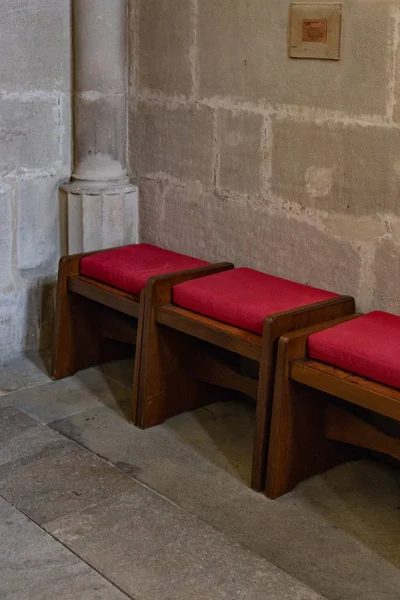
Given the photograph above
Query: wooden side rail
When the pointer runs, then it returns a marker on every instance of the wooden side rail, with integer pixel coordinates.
(225, 336)
(104, 294)
(347, 386)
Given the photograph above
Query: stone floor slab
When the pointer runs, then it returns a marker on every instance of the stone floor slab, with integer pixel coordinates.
(314, 533)
(22, 373)
(180, 459)
(60, 479)
(34, 566)
(87, 389)
(155, 551)
(22, 436)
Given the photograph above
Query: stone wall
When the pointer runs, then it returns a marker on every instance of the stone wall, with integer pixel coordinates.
(289, 166)
(34, 157)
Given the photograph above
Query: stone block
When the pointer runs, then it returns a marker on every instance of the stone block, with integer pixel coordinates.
(177, 141)
(240, 152)
(34, 45)
(166, 35)
(186, 557)
(352, 170)
(386, 274)
(66, 131)
(38, 225)
(38, 330)
(79, 478)
(346, 545)
(6, 239)
(244, 54)
(283, 246)
(34, 565)
(185, 224)
(89, 389)
(12, 322)
(29, 134)
(151, 209)
(362, 229)
(21, 373)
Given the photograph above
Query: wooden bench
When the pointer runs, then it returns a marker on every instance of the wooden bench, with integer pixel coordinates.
(195, 332)
(102, 299)
(332, 382)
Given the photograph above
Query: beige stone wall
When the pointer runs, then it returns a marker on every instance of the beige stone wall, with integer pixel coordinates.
(35, 155)
(289, 166)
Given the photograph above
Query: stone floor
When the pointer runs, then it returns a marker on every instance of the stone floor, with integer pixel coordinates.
(94, 508)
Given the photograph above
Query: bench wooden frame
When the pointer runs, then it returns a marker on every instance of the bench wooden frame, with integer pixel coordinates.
(176, 361)
(318, 419)
(97, 323)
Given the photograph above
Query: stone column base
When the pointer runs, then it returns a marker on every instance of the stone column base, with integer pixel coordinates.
(97, 216)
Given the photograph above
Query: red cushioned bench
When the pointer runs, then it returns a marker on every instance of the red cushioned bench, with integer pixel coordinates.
(195, 332)
(102, 299)
(332, 381)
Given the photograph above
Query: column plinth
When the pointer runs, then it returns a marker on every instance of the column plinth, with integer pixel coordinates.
(99, 204)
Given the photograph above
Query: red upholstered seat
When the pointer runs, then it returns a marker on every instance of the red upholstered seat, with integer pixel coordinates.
(130, 267)
(368, 345)
(244, 297)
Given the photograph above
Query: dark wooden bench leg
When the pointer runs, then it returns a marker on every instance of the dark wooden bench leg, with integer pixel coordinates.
(78, 340)
(298, 447)
(163, 386)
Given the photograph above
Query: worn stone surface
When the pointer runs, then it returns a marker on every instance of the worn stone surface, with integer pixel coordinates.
(6, 239)
(29, 134)
(185, 211)
(100, 220)
(38, 225)
(40, 58)
(338, 532)
(99, 42)
(177, 141)
(21, 436)
(34, 565)
(100, 133)
(252, 59)
(59, 479)
(363, 229)
(186, 558)
(165, 52)
(189, 459)
(352, 183)
(386, 273)
(240, 152)
(88, 389)
(282, 245)
(151, 211)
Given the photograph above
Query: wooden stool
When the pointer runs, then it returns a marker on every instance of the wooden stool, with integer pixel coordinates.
(243, 312)
(324, 375)
(102, 299)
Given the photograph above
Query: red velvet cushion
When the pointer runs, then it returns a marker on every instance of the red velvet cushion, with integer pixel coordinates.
(367, 346)
(130, 267)
(244, 297)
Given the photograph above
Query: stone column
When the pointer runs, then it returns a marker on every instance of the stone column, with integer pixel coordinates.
(99, 204)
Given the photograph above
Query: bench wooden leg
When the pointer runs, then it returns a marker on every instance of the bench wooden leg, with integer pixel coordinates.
(79, 342)
(298, 447)
(165, 388)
